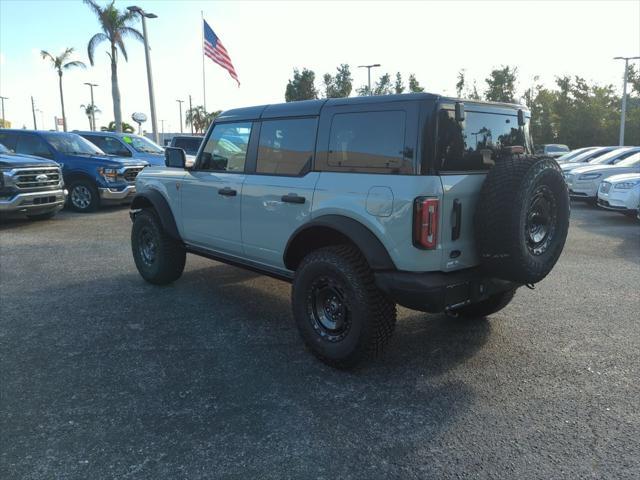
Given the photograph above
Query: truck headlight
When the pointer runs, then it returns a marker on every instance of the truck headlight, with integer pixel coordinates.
(589, 176)
(626, 185)
(109, 174)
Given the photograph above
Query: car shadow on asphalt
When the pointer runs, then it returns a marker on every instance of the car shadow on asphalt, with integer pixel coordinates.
(16, 221)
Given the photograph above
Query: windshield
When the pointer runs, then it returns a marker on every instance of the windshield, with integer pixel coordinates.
(574, 153)
(72, 144)
(144, 145)
(590, 155)
(557, 148)
(608, 157)
(632, 161)
(4, 149)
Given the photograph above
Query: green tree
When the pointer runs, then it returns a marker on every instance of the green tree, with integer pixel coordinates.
(196, 117)
(460, 83)
(340, 85)
(90, 111)
(501, 84)
(125, 127)
(414, 85)
(383, 85)
(116, 26)
(301, 86)
(60, 63)
(399, 85)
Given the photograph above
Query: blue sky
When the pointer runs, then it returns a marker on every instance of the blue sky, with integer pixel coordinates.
(266, 40)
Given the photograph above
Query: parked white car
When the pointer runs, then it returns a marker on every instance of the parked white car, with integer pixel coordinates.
(620, 193)
(608, 158)
(583, 182)
(554, 150)
(573, 154)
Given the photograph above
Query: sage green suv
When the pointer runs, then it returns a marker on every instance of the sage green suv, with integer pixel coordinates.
(361, 203)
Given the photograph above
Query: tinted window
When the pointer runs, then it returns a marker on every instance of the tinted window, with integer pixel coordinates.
(109, 145)
(474, 143)
(9, 140)
(72, 144)
(367, 141)
(226, 148)
(32, 145)
(4, 149)
(189, 145)
(286, 146)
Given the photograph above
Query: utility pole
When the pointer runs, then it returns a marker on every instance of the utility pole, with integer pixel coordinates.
(162, 123)
(152, 102)
(191, 113)
(369, 67)
(180, 102)
(624, 95)
(2, 99)
(93, 105)
(33, 110)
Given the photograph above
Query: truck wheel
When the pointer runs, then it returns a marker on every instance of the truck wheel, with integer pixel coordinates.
(487, 307)
(159, 258)
(83, 196)
(522, 218)
(41, 216)
(340, 313)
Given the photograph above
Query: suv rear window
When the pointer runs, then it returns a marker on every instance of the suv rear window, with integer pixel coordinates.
(472, 145)
(367, 141)
(189, 145)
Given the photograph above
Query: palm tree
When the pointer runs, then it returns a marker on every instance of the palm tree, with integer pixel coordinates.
(90, 111)
(196, 116)
(115, 28)
(60, 63)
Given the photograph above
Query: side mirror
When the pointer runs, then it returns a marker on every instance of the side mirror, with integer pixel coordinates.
(459, 112)
(174, 157)
(521, 119)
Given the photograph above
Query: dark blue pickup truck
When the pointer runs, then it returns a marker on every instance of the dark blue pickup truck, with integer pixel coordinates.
(92, 177)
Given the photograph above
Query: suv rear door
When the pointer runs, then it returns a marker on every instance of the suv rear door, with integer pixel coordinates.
(465, 151)
(278, 191)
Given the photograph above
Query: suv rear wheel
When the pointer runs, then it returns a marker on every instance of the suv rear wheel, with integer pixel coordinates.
(341, 315)
(159, 258)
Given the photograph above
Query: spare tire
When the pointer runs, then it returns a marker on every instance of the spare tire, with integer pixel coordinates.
(522, 218)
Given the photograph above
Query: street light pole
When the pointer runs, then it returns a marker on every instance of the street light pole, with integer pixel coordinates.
(93, 105)
(623, 114)
(180, 102)
(2, 99)
(191, 113)
(152, 102)
(369, 67)
(33, 111)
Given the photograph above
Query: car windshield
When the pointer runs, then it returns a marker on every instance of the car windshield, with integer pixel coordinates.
(72, 144)
(557, 148)
(142, 144)
(4, 149)
(607, 157)
(632, 161)
(574, 153)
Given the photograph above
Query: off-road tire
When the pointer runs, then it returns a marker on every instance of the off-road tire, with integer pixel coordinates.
(369, 315)
(487, 307)
(513, 198)
(166, 263)
(41, 216)
(83, 187)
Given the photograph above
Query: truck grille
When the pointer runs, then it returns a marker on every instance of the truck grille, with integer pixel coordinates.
(605, 187)
(131, 173)
(26, 178)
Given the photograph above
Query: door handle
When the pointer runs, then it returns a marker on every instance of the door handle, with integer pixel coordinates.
(293, 198)
(228, 192)
(457, 220)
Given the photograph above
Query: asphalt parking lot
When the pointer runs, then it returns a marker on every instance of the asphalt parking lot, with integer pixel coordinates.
(105, 376)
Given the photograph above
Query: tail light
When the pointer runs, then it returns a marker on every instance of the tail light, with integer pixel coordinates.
(425, 222)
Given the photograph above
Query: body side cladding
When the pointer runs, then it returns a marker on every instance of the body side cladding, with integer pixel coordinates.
(325, 230)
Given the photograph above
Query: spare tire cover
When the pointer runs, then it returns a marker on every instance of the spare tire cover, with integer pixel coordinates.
(522, 218)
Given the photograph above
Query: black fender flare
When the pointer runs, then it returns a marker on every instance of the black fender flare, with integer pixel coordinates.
(157, 201)
(361, 236)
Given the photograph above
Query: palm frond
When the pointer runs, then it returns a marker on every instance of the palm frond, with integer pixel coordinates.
(131, 32)
(74, 64)
(97, 9)
(46, 55)
(93, 44)
(122, 49)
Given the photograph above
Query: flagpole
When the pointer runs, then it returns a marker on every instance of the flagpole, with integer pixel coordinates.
(204, 88)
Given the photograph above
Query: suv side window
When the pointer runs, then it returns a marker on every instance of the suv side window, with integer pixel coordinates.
(32, 145)
(473, 144)
(286, 146)
(368, 141)
(226, 148)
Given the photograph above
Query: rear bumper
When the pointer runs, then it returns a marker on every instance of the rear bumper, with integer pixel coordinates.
(111, 194)
(34, 202)
(437, 291)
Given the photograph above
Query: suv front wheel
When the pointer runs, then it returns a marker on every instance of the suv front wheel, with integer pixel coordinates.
(340, 313)
(159, 258)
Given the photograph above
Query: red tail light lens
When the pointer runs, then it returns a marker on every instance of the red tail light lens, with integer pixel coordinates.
(425, 222)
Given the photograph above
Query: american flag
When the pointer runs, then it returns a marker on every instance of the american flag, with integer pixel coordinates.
(214, 49)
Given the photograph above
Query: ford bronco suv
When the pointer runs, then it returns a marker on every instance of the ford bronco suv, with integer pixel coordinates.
(92, 177)
(29, 186)
(361, 203)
